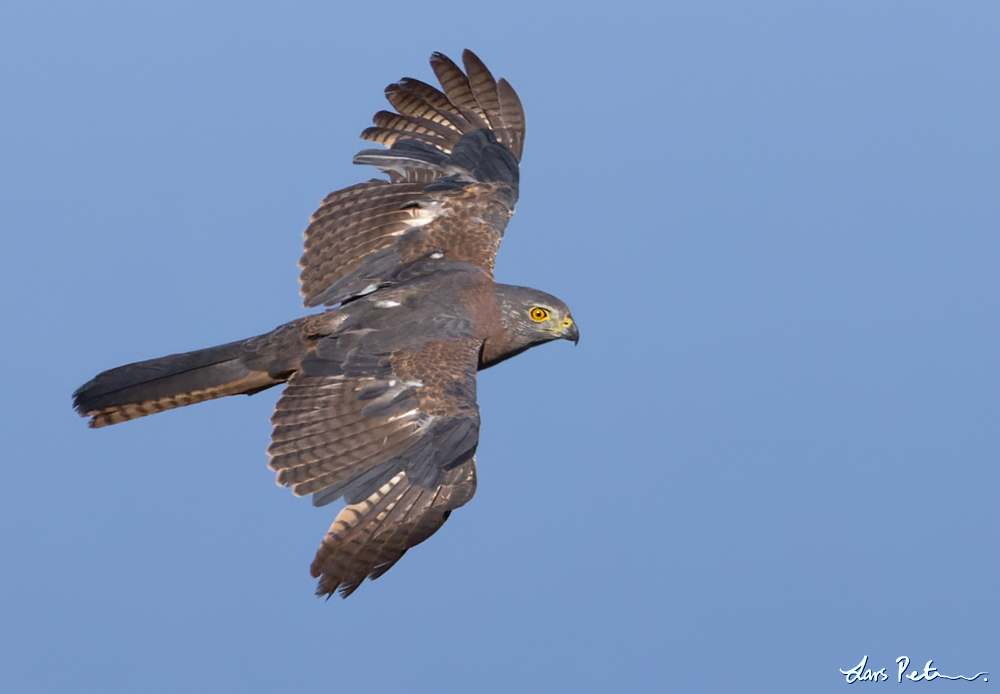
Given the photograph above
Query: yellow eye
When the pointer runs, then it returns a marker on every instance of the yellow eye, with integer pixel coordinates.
(538, 314)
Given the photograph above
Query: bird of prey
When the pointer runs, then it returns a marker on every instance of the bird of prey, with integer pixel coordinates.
(380, 403)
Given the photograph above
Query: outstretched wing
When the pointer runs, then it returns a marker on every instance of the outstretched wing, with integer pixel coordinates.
(452, 161)
(369, 536)
(394, 433)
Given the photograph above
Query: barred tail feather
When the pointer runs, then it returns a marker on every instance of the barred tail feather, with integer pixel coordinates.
(155, 385)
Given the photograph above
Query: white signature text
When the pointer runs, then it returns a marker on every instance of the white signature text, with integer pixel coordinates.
(862, 673)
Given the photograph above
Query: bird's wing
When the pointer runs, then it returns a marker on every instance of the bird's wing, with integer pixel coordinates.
(452, 161)
(394, 433)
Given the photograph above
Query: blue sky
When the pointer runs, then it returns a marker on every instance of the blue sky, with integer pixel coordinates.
(773, 452)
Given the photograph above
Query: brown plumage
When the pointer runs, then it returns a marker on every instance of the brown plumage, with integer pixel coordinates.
(380, 403)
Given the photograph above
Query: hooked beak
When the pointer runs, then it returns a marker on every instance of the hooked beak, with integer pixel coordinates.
(569, 330)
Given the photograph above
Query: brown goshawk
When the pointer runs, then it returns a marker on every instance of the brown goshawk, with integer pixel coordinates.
(380, 403)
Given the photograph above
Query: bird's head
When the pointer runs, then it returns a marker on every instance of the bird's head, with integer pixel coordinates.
(530, 317)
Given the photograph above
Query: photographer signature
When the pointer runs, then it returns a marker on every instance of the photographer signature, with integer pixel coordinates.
(860, 673)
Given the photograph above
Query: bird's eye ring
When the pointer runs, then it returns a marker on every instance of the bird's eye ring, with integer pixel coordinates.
(538, 314)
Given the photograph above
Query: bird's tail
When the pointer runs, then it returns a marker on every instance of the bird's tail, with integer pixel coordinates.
(155, 385)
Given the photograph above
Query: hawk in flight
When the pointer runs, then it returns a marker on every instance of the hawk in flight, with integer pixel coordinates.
(380, 406)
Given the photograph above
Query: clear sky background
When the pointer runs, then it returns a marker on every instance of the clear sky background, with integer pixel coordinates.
(774, 451)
